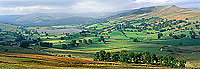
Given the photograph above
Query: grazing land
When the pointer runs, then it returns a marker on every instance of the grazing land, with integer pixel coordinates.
(155, 32)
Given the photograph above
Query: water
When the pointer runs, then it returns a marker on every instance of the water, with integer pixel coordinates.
(60, 31)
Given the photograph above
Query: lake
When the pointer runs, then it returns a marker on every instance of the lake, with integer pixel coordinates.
(60, 31)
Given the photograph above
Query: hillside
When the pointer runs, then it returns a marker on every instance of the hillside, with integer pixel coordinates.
(163, 30)
(44, 19)
(7, 27)
(52, 19)
(151, 37)
(168, 12)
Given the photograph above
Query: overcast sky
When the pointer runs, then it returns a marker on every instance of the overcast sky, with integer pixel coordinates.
(16, 7)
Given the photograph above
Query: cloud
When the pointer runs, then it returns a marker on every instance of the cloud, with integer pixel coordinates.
(21, 8)
(94, 6)
(150, 1)
(71, 6)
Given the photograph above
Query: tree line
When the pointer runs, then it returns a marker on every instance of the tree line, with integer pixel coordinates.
(139, 58)
(73, 43)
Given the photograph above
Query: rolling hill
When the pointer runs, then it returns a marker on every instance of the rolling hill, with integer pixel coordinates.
(52, 19)
(169, 12)
(179, 27)
(44, 19)
(168, 31)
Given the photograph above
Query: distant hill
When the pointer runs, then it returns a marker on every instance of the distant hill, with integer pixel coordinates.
(52, 19)
(7, 27)
(169, 12)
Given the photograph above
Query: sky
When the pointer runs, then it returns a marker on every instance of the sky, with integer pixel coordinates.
(20, 7)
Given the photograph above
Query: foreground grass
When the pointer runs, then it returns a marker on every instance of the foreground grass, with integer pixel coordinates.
(32, 61)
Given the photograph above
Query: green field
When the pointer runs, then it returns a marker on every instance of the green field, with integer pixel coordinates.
(138, 32)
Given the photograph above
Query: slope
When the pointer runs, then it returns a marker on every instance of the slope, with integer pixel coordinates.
(52, 19)
(168, 12)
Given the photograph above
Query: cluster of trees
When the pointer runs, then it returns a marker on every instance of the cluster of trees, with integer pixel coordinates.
(46, 44)
(160, 35)
(192, 35)
(68, 36)
(154, 23)
(73, 43)
(177, 36)
(19, 40)
(24, 44)
(139, 57)
(102, 39)
(97, 21)
(136, 40)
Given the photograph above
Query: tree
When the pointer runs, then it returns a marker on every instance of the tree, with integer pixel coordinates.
(108, 36)
(64, 46)
(124, 56)
(95, 35)
(96, 56)
(159, 58)
(62, 38)
(80, 41)
(73, 43)
(20, 38)
(46, 44)
(47, 34)
(175, 37)
(136, 40)
(90, 41)
(192, 33)
(84, 41)
(136, 57)
(170, 34)
(24, 44)
(193, 36)
(39, 39)
(67, 34)
(182, 35)
(139, 57)
(107, 56)
(182, 63)
(101, 39)
(6, 50)
(102, 55)
(160, 35)
(115, 57)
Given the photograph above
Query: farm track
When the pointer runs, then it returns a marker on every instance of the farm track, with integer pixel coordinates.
(145, 38)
